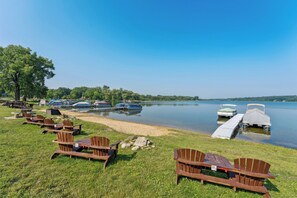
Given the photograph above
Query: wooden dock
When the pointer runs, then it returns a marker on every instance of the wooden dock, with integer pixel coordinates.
(226, 130)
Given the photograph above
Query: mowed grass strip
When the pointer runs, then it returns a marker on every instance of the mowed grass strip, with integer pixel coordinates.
(27, 171)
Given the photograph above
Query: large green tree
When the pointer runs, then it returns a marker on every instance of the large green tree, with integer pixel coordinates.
(24, 72)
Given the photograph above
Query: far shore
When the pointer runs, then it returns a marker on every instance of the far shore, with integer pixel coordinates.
(122, 126)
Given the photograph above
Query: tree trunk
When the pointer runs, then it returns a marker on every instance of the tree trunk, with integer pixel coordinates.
(17, 92)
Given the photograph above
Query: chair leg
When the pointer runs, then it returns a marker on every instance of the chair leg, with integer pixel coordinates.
(107, 161)
(234, 189)
(105, 164)
(177, 177)
(266, 195)
(55, 155)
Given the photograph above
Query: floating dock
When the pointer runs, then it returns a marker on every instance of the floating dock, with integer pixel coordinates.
(226, 130)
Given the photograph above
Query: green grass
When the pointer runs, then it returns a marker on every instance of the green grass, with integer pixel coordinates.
(27, 171)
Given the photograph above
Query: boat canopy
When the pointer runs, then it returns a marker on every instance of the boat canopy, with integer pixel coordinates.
(229, 105)
(256, 116)
(256, 106)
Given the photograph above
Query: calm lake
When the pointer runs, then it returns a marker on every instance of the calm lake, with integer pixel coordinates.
(201, 116)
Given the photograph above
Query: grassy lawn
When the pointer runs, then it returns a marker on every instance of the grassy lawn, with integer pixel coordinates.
(27, 171)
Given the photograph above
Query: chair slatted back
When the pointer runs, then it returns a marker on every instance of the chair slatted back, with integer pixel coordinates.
(27, 115)
(67, 138)
(40, 117)
(100, 141)
(48, 121)
(191, 155)
(68, 125)
(251, 165)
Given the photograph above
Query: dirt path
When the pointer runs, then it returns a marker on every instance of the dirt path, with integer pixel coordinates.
(122, 126)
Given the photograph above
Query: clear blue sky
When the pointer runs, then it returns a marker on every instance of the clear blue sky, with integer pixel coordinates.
(207, 48)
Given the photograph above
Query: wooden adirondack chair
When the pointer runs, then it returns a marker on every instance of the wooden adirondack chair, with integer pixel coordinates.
(250, 174)
(101, 150)
(51, 126)
(189, 163)
(69, 126)
(37, 120)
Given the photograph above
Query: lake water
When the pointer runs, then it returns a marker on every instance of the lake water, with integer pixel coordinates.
(201, 116)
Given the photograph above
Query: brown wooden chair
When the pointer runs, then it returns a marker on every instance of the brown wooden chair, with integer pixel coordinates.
(250, 174)
(50, 126)
(101, 150)
(189, 163)
(69, 126)
(36, 120)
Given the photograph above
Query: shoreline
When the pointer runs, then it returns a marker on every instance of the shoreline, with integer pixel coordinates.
(134, 128)
(123, 126)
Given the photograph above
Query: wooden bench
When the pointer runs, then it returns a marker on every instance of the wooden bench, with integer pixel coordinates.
(36, 120)
(69, 126)
(66, 127)
(101, 150)
(248, 174)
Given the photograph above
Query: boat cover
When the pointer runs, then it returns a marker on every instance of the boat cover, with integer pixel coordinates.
(256, 117)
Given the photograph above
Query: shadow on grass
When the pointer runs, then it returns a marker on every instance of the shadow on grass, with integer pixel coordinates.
(83, 133)
(270, 186)
(122, 157)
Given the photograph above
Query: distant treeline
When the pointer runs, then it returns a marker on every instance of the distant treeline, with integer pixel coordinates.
(107, 94)
(267, 98)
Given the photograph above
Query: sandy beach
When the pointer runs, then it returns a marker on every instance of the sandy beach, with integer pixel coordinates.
(122, 126)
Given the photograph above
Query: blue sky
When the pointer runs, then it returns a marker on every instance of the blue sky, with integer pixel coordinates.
(210, 48)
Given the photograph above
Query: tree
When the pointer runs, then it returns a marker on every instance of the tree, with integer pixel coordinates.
(24, 72)
(78, 92)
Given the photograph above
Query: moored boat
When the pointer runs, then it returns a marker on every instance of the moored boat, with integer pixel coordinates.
(82, 105)
(120, 106)
(256, 116)
(128, 106)
(227, 110)
(102, 104)
(132, 106)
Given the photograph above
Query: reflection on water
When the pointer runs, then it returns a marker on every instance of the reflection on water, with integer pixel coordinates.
(257, 130)
(108, 111)
(202, 116)
(222, 120)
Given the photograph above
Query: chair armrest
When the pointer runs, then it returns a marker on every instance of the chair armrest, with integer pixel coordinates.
(63, 143)
(252, 174)
(189, 162)
(100, 147)
(77, 126)
(116, 144)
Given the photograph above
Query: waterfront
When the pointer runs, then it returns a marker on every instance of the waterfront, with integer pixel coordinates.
(201, 116)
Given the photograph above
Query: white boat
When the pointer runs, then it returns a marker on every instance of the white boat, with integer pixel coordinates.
(227, 110)
(82, 105)
(256, 116)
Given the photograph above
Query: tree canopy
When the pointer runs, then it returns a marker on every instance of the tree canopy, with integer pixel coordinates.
(107, 94)
(24, 72)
